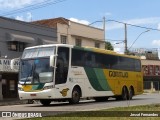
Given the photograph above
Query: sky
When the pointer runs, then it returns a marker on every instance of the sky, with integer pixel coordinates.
(143, 13)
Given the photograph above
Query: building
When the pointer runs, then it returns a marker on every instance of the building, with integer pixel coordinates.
(69, 32)
(151, 68)
(151, 75)
(14, 37)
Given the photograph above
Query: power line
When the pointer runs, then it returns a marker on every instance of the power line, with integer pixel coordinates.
(148, 28)
(29, 6)
(32, 7)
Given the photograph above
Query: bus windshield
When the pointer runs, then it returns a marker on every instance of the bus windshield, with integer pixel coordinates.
(35, 71)
(35, 67)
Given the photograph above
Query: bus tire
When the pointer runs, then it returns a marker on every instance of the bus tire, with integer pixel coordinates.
(75, 96)
(131, 93)
(45, 102)
(125, 94)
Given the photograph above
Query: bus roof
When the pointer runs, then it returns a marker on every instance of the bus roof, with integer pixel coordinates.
(50, 45)
(98, 50)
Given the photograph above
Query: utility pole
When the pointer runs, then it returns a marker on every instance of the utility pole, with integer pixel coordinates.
(104, 26)
(125, 39)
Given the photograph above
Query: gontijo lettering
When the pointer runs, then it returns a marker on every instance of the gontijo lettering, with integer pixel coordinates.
(118, 74)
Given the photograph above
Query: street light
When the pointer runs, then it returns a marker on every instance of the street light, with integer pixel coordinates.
(137, 38)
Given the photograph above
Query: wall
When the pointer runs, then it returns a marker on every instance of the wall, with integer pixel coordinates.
(41, 35)
(88, 35)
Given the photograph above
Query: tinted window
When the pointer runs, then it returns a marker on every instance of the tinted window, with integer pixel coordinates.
(126, 63)
(137, 65)
(97, 60)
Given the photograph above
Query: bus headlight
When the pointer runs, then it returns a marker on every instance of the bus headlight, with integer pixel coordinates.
(20, 89)
(48, 87)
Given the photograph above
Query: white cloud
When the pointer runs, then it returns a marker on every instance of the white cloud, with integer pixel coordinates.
(21, 18)
(79, 21)
(156, 42)
(142, 21)
(118, 47)
(119, 50)
(27, 17)
(158, 26)
(107, 14)
(17, 3)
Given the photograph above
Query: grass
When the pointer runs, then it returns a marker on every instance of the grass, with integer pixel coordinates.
(114, 113)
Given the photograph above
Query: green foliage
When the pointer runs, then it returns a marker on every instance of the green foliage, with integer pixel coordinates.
(108, 46)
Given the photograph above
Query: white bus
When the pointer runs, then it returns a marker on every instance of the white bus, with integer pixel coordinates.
(61, 72)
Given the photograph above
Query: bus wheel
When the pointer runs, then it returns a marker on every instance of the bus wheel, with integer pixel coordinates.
(131, 93)
(125, 94)
(75, 96)
(45, 102)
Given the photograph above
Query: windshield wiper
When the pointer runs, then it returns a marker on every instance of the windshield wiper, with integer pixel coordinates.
(29, 75)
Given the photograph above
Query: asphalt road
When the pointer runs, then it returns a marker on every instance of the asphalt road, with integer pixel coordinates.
(85, 105)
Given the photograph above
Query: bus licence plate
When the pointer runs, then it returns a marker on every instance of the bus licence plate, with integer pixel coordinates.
(33, 95)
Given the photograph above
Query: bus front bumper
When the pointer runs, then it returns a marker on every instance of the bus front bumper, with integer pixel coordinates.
(45, 94)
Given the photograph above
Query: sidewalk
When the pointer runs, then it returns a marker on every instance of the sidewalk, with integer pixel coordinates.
(12, 101)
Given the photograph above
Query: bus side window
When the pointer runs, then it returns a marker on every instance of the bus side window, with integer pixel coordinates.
(62, 65)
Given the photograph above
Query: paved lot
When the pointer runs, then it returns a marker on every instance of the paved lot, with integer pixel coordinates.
(55, 108)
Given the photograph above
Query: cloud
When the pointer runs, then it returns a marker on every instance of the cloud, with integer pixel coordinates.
(119, 50)
(158, 26)
(17, 3)
(156, 42)
(107, 14)
(142, 21)
(21, 18)
(118, 47)
(85, 22)
(27, 17)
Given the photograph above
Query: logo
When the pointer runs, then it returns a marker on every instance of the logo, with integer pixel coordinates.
(21, 114)
(6, 114)
(118, 74)
(64, 92)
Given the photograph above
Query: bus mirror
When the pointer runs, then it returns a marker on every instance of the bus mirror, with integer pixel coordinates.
(14, 64)
(52, 61)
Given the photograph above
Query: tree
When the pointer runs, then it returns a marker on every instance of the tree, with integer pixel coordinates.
(108, 46)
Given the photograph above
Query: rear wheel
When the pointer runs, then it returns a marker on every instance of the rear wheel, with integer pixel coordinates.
(75, 96)
(125, 94)
(131, 93)
(45, 102)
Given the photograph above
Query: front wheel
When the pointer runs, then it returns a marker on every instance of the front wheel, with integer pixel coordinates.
(45, 102)
(75, 96)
